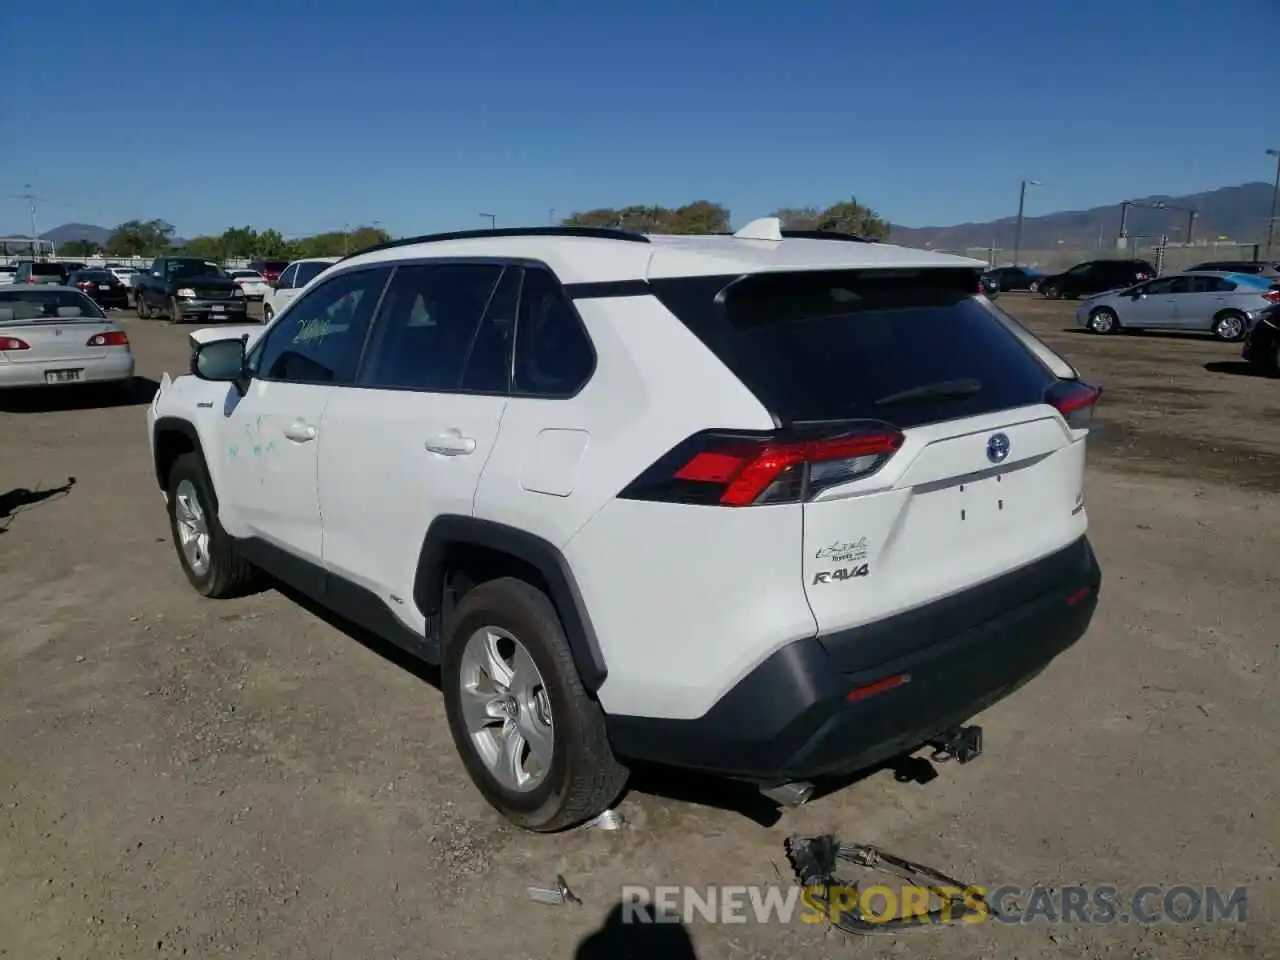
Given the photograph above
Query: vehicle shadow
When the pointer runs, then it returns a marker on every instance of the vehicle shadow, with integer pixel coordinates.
(89, 396)
(1237, 368)
(684, 786)
(20, 499)
(1153, 334)
(637, 931)
(366, 638)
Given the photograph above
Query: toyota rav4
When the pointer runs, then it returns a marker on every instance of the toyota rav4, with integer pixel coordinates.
(769, 505)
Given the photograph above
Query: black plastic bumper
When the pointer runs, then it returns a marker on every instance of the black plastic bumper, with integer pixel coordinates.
(791, 719)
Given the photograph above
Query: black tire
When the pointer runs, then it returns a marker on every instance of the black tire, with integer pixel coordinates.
(175, 311)
(1052, 292)
(266, 314)
(1103, 320)
(140, 307)
(1230, 326)
(584, 777)
(228, 573)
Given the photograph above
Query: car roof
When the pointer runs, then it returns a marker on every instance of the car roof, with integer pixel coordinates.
(588, 259)
(305, 260)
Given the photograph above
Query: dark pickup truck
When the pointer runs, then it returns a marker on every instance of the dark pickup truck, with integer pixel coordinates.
(188, 288)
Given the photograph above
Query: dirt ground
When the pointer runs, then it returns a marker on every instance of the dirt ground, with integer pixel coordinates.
(182, 777)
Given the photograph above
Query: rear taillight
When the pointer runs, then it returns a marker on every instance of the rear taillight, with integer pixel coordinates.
(737, 470)
(112, 338)
(1075, 400)
(13, 343)
(1272, 296)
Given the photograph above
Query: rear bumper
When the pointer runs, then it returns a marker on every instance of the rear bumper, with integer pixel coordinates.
(98, 370)
(1260, 346)
(791, 719)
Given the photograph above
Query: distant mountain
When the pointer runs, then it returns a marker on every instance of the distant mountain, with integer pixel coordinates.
(76, 231)
(1238, 213)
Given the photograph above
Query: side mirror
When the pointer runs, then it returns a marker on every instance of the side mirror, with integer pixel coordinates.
(220, 361)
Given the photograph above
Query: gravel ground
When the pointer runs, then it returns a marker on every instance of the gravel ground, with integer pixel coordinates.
(181, 777)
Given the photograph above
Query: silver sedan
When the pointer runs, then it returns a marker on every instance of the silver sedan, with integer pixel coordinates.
(1217, 302)
(53, 336)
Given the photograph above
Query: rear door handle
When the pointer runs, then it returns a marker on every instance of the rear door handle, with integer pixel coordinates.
(300, 431)
(451, 445)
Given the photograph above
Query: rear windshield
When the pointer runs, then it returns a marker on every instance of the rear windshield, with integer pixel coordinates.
(907, 347)
(48, 270)
(98, 276)
(26, 305)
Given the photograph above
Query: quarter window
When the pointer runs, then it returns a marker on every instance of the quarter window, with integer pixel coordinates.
(427, 324)
(286, 279)
(554, 356)
(320, 338)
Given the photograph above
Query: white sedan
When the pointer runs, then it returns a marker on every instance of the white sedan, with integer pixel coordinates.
(253, 283)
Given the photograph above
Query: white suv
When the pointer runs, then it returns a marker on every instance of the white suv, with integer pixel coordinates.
(293, 278)
(771, 506)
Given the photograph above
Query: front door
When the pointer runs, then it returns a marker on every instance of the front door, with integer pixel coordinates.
(271, 436)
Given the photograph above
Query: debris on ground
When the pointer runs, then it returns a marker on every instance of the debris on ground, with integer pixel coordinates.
(555, 896)
(815, 861)
(609, 820)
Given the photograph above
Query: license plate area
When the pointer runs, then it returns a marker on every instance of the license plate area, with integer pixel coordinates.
(218, 308)
(62, 376)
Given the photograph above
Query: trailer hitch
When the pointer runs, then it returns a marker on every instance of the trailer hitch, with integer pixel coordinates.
(960, 744)
(814, 861)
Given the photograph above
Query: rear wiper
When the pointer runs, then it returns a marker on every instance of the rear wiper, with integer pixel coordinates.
(942, 390)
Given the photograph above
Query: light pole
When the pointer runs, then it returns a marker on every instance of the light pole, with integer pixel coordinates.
(493, 221)
(1275, 192)
(551, 217)
(1017, 230)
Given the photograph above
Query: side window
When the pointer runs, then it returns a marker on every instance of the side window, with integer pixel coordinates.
(320, 338)
(286, 279)
(1180, 285)
(1158, 287)
(488, 368)
(308, 272)
(554, 356)
(426, 326)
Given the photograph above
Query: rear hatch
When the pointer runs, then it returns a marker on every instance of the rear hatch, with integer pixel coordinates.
(933, 441)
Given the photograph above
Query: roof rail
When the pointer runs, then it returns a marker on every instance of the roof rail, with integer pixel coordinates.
(596, 233)
(823, 235)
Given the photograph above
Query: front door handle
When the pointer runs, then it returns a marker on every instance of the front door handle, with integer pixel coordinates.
(300, 431)
(451, 445)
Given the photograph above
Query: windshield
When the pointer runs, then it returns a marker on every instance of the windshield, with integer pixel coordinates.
(193, 268)
(48, 270)
(25, 305)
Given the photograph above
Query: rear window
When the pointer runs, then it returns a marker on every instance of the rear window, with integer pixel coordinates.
(907, 347)
(97, 276)
(27, 305)
(48, 270)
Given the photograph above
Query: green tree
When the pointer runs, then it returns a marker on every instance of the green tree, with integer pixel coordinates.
(799, 218)
(78, 248)
(845, 217)
(145, 238)
(209, 248)
(701, 216)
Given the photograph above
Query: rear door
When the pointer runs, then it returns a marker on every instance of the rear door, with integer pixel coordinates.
(988, 476)
(408, 441)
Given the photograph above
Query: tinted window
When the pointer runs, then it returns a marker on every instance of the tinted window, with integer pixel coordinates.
(48, 270)
(846, 345)
(97, 276)
(1210, 285)
(1158, 287)
(308, 272)
(285, 281)
(488, 367)
(426, 326)
(192, 268)
(1180, 285)
(46, 304)
(553, 355)
(320, 338)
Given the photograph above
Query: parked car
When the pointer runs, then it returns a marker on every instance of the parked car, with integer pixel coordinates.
(269, 269)
(33, 272)
(1017, 278)
(125, 275)
(7, 272)
(652, 498)
(254, 285)
(182, 288)
(54, 336)
(1224, 304)
(989, 283)
(1096, 276)
(292, 279)
(102, 287)
(1262, 345)
(71, 266)
(1260, 267)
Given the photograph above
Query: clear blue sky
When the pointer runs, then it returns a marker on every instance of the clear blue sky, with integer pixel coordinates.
(308, 115)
